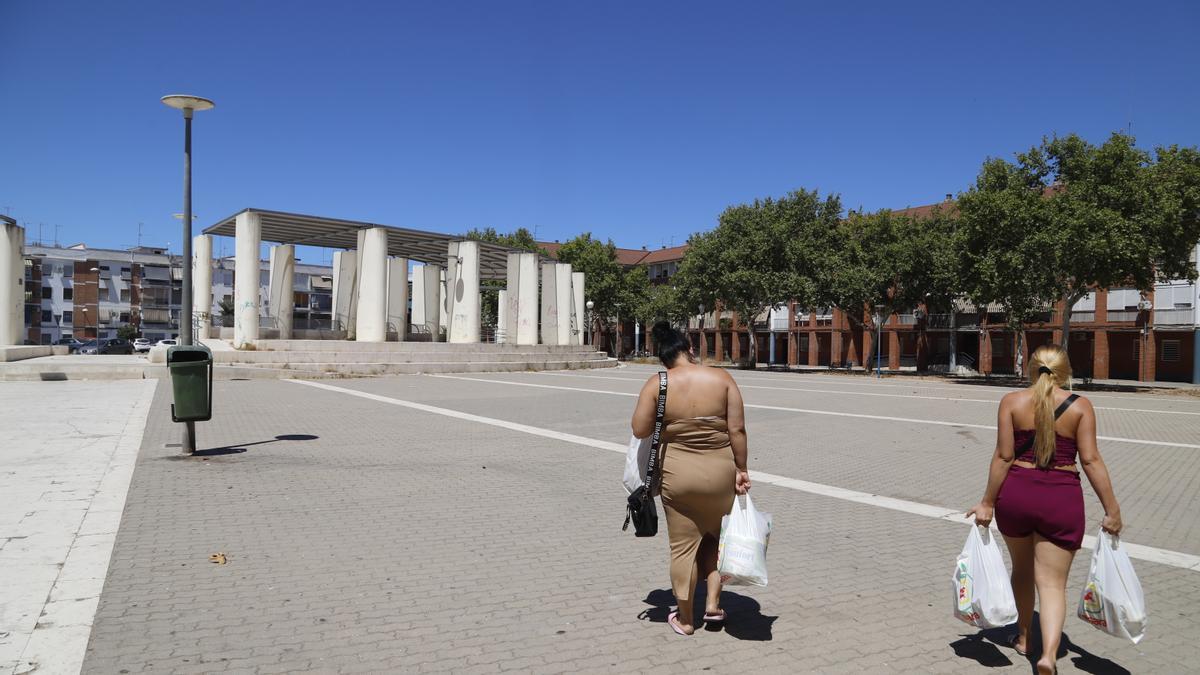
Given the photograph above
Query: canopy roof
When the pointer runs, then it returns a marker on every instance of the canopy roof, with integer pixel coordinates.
(418, 245)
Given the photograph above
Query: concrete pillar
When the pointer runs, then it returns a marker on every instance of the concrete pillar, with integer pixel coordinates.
(443, 304)
(248, 239)
(562, 287)
(550, 295)
(397, 297)
(426, 310)
(501, 317)
(814, 349)
(1100, 361)
(893, 350)
(462, 291)
(282, 280)
(371, 315)
(521, 316)
(345, 290)
(12, 284)
(202, 272)
(577, 308)
(1196, 357)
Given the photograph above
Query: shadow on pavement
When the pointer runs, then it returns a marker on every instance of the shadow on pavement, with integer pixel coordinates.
(744, 618)
(1090, 663)
(982, 648)
(238, 448)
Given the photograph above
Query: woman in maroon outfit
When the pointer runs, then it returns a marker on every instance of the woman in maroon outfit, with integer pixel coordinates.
(1033, 487)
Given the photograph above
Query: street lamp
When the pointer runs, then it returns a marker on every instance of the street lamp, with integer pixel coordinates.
(188, 104)
(587, 336)
(879, 317)
(702, 340)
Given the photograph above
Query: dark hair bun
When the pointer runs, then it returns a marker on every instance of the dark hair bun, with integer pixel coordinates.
(670, 342)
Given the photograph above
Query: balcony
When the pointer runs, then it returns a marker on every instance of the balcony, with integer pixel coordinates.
(1120, 315)
(1083, 317)
(1178, 316)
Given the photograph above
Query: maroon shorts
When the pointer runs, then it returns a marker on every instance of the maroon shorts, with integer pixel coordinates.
(1046, 501)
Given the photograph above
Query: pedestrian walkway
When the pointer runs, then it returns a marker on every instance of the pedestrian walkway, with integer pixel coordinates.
(472, 524)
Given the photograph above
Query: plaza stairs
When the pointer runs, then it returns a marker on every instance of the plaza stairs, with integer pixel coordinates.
(342, 358)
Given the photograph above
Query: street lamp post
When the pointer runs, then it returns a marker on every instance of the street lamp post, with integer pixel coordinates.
(188, 104)
(879, 317)
(587, 336)
(702, 340)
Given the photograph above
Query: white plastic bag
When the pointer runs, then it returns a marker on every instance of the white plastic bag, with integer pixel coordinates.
(1112, 598)
(983, 595)
(742, 550)
(637, 459)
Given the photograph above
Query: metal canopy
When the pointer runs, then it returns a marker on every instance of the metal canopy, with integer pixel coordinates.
(418, 245)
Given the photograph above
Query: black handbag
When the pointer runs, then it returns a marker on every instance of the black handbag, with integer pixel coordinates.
(640, 508)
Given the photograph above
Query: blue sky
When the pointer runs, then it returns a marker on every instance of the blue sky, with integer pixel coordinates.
(636, 121)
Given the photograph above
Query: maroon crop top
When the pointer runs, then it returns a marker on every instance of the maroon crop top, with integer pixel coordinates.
(1065, 449)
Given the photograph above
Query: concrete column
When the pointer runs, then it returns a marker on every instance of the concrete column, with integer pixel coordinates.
(1100, 360)
(814, 348)
(345, 290)
(282, 279)
(397, 297)
(443, 306)
(550, 305)
(202, 271)
(12, 284)
(577, 308)
(521, 325)
(893, 350)
(1196, 357)
(501, 317)
(562, 287)
(371, 319)
(425, 298)
(462, 290)
(248, 239)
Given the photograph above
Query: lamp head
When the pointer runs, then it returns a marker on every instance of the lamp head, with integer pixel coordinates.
(187, 103)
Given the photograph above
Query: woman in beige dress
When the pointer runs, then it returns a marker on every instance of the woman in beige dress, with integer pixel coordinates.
(703, 466)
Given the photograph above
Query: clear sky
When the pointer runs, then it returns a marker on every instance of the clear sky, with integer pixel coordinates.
(638, 121)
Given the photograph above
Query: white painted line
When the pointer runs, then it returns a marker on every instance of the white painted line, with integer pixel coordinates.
(991, 401)
(808, 411)
(1148, 553)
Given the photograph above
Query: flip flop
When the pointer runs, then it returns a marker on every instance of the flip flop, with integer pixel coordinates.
(715, 617)
(673, 621)
(1012, 642)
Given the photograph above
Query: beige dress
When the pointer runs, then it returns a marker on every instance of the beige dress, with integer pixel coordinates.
(697, 490)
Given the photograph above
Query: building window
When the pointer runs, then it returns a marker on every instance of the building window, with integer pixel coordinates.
(124, 317)
(124, 295)
(68, 294)
(46, 316)
(68, 317)
(104, 268)
(47, 292)
(1170, 351)
(69, 271)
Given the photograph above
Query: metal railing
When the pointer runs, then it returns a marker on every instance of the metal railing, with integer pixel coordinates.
(1178, 316)
(906, 319)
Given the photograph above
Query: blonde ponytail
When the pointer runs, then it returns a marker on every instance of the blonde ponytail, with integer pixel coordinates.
(1049, 367)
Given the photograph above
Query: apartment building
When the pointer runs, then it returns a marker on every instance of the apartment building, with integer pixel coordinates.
(82, 292)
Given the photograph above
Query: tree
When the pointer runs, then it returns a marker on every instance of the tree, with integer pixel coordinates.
(758, 253)
(614, 292)
(489, 294)
(127, 332)
(1078, 217)
(226, 307)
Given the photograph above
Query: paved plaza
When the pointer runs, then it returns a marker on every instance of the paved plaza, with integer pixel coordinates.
(471, 523)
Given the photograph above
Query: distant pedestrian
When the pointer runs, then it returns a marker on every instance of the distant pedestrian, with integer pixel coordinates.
(1034, 487)
(703, 465)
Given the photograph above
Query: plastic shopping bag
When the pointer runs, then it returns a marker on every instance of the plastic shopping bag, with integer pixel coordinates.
(983, 595)
(637, 459)
(742, 550)
(1112, 599)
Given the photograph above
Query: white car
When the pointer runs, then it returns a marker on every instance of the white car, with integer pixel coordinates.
(142, 345)
(167, 343)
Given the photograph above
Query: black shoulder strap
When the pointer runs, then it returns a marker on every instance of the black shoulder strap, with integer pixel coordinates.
(659, 412)
(1062, 408)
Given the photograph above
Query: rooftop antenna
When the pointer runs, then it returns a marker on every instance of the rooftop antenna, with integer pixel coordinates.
(56, 235)
(139, 234)
(39, 234)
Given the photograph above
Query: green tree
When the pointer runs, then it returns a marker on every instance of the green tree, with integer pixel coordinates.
(1079, 216)
(127, 332)
(614, 292)
(758, 254)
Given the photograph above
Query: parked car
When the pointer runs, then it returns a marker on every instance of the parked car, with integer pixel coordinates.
(167, 343)
(142, 345)
(71, 343)
(113, 346)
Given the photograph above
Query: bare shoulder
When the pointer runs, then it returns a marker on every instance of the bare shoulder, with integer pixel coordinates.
(1084, 404)
(1013, 398)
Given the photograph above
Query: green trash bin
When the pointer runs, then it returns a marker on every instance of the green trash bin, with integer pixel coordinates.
(191, 382)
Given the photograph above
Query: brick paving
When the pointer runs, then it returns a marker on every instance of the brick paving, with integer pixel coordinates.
(373, 538)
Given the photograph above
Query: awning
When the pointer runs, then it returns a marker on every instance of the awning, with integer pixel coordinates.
(303, 230)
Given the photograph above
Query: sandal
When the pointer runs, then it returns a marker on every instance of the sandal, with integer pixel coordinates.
(1012, 643)
(715, 617)
(673, 621)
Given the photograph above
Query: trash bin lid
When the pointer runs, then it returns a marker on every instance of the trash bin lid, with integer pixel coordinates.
(180, 353)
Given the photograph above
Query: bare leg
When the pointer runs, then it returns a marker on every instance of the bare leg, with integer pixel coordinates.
(687, 608)
(1020, 549)
(706, 560)
(1051, 564)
